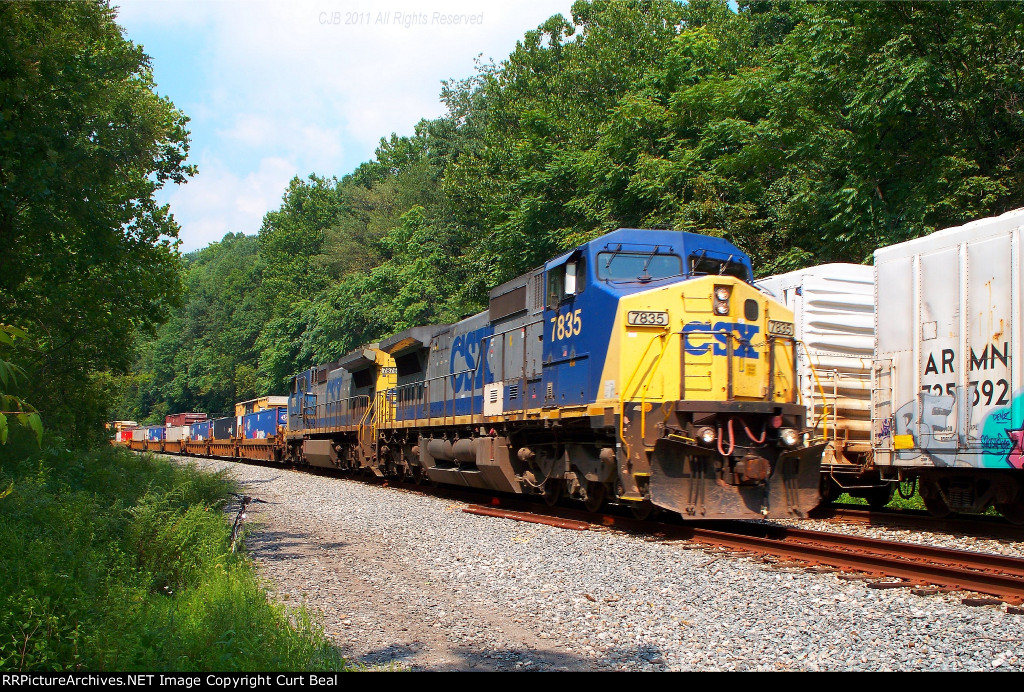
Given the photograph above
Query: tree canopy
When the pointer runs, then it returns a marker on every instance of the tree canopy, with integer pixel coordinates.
(88, 256)
(805, 132)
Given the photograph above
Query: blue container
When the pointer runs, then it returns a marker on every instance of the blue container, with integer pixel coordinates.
(199, 431)
(223, 428)
(156, 433)
(263, 424)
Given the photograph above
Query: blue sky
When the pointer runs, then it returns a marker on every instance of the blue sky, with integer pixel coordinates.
(279, 89)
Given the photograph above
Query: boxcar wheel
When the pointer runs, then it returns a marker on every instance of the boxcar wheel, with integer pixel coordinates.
(1013, 511)
(879, 497)
(595, 496)
(933, 501)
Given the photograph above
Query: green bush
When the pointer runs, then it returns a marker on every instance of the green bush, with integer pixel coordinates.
(112, 561)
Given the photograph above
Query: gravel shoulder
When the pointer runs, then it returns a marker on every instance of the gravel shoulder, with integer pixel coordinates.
(407, 581)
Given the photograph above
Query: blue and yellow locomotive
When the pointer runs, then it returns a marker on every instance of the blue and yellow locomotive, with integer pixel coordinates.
(640, 368)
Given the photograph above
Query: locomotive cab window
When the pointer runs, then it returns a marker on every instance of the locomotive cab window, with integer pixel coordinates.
(566, 280)
(702, 265)
(616, 264)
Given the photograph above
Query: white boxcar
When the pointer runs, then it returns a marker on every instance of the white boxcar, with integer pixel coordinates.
(949, 399)
(834, 312)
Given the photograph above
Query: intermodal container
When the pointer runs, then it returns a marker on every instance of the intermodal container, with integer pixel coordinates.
(264, 424)
(223, 428)
(155, 433)
(177, 433)
(199, 431)
(176, 419)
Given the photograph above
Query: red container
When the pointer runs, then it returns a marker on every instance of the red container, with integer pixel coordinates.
(184, 419)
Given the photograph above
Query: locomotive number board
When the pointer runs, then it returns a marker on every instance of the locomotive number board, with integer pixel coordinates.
(646, 318)
(781, 328)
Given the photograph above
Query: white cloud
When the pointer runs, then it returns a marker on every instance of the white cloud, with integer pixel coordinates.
(310, 85)
(219, 201)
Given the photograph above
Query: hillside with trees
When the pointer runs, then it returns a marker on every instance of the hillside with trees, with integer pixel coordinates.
(803, 132)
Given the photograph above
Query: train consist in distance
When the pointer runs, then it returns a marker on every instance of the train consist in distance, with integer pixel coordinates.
(641, 368)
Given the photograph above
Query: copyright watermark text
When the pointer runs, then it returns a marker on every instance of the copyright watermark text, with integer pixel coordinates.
(405, 20)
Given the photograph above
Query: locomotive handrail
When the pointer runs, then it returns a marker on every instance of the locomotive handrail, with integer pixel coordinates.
(629, 380)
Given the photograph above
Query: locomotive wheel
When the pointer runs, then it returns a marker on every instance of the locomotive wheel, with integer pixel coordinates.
(417, 475)
(642, 511)
(1012, 511)
(595, 496)
(553, 491)
(829, 490)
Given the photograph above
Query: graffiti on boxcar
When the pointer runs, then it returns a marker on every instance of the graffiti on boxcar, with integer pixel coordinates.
(930, 427)
(947, 435)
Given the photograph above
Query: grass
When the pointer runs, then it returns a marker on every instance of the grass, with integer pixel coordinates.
(111, 561)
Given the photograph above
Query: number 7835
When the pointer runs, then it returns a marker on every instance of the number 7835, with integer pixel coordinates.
(566, 325)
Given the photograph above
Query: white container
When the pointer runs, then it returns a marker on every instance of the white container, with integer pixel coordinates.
(139, 434)
(833, 310)
(176, 433)
(948, 392)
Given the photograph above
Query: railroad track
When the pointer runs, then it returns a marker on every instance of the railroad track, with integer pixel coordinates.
(922, 567)
(916, 566)
(975, 526)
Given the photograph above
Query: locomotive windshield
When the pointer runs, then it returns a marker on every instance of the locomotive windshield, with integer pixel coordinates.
(702, 265)
(637, 266)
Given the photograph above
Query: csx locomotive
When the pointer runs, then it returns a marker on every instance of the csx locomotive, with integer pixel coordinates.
(640, 368)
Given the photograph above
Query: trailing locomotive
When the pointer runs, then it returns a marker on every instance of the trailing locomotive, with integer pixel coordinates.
(640, 368)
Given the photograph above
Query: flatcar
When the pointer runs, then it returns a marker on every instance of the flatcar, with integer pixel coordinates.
(641, 368)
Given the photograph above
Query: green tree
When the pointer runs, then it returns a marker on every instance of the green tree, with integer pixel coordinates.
(85, 142)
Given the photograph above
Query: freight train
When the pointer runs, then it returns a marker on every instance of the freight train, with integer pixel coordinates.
(641, 369)
(919, 385)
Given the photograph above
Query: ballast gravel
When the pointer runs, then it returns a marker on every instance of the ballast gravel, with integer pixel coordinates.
(411, 582)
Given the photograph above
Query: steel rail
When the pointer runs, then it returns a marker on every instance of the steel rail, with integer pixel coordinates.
(995, 575)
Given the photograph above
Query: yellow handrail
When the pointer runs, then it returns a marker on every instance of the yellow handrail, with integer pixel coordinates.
(629, 381)
(821, 390)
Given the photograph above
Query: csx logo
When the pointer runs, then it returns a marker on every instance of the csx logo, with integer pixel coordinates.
(722, 331)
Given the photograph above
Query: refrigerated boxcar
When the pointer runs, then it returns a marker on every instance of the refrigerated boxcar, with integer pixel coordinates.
(949, 395)
(834, 316)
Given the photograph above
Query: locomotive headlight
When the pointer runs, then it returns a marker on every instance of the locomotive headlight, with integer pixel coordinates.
(706, 435)
(789, 437)
(721, 295)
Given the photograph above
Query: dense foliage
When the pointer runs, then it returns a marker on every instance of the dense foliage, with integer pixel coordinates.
(87, 257)
(114, 561)
(803, 132)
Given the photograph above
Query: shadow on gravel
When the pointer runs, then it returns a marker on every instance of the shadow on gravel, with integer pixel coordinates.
(260, 481)
(275, 546)
(466, 659)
